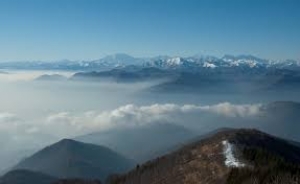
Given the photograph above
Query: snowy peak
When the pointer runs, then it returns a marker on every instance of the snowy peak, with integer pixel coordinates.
(175, 61)
(247, 60)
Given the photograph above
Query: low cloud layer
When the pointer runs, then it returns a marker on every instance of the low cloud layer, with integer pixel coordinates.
(67, 124)
(132, 115)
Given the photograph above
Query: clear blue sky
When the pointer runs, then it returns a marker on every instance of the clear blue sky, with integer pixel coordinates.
(90, 29)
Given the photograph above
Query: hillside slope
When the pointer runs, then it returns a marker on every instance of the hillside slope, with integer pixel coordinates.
(231, 156)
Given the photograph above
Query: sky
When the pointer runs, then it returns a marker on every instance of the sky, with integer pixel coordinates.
(90, 29)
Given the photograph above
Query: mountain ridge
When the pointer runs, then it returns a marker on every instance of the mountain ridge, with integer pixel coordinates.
(230, 156)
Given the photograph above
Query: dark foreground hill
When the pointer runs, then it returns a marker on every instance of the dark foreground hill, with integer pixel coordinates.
(30, 177)
(229, 157)
(76, 181)
(72, 159)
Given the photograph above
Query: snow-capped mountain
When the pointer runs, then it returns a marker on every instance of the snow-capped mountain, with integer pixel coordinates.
(171, 62)
(210, 62)
(226, 61)
(162, 62)
(245, 60)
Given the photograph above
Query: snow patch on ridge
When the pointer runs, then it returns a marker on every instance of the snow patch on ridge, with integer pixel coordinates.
(209, 65)
(230, 160)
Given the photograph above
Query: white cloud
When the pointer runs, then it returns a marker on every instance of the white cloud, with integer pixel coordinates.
(64, 124)
(132, 115)
(231, 110)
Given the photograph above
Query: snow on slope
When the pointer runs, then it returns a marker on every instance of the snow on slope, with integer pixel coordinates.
(209, 65)
(230, 160)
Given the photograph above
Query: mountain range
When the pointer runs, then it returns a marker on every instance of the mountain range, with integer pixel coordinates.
(244, 73)
(165, 62)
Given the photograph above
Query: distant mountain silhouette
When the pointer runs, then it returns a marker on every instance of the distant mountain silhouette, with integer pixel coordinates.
(127, 74)
(281, 118)
(52, 77)
(219, 79)
(142, 143)
(73, 159)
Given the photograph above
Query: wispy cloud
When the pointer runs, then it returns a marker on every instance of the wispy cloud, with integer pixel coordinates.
(8, 121)
(7, 117)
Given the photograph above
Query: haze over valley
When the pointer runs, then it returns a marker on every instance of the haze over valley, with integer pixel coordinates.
(40, 107)
(149, 92)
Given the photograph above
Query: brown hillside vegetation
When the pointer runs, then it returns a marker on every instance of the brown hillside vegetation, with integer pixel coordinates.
(77, 181)
(268, 160)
